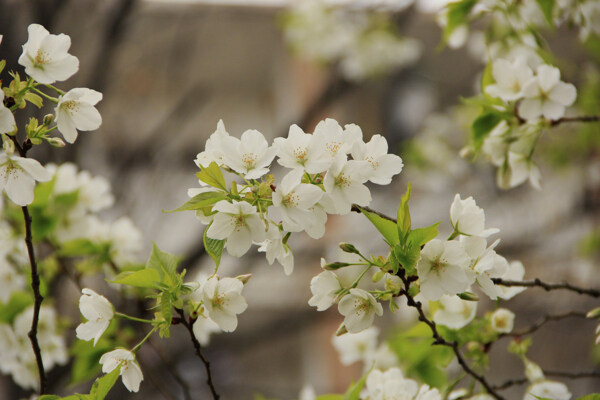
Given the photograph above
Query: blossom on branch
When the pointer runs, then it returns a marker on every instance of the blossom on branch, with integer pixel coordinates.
(131, 374)
(223, 300)
(18, 176)
(546, 95)
(98, 311)
(75, 111)
(359, 308)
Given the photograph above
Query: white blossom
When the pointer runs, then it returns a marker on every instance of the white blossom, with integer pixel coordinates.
(18, 176)
(469, 219)
(547, 389)
(7, 119)
(275, 249)
(344, 185)
(239, 224)
(382, 165)
(203, 327)
(443, 269)
(10, 280)
(517, 169)
(510, 78)
(301, 150)
(334, 140)
(546, 95)
(353, 347)
(45, 56)
(389, 385)
(223, 300)
(98, 311)
(214, 149)
(130, 372)
(250, 155)
(75, 111)
(502, 320)
(485, 263)
(359, 308)
(324, 287)
(516, 272)
(454, 312)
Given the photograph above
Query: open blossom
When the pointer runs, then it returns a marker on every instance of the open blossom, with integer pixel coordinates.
(455, 312)
(382, 166)
(239, 224)
(390, 385)
(131, 374)
(548, 390)
(98, 311)
(18, 176)
(213, 149)
(333, 139)
(293, 200)
(354, 347)
(359, 308)
(344, 185)
(546, 95)
(275, 249)
(514, 272)
(45, 56)
(203, 327)
(517, 169)
(324, 287)
(510, 78)
(502, 320)
(301, 150)
(443, 269)
(250, 155)
(75, 111)
(485, 263)
(7, 119)
(223, 300)
(468, 218)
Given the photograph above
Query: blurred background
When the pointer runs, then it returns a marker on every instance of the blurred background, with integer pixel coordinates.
(169, 70)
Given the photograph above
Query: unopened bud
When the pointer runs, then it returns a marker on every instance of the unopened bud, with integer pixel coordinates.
(8, 144)
(466, 152)
(349, 248)
(533, 372)
(341, 330)
(335, 265)
(56, 142)
(473, 346)
(48, 119)
(468, 296)
(244, 278)
(377, 276)
(595, 313)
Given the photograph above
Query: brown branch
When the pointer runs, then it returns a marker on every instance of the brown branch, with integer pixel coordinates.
(543, 321)
(548, 286)
(558, 374)
(188, 325)
(439, 340)
(584, 118)
(358, 209)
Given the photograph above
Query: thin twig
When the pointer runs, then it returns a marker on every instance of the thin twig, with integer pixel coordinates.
(188, 326)
(439, 340)
(548, 286)
(358, 209)
(584, 118)
(556, 374)
(543, 321)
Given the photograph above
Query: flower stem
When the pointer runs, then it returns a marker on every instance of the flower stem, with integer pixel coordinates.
(52, 99)
(137, 346)
(125, 316)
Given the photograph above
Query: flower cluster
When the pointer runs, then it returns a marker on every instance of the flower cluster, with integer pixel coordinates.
(364, 46)
(16, 353)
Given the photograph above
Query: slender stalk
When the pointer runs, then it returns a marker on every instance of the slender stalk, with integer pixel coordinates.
(584, 118)
(196, 344)
(125, 316)
(548, 286)
(52, 99)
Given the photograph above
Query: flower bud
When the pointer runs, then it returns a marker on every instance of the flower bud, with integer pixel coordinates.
(502, 320)
(334, 265)
(349, 248)
(341, 330)
(48, 119)
(533, 372)
(244, 278)
(55, 142)
(468, 296)
(8, 144)
(595, 313)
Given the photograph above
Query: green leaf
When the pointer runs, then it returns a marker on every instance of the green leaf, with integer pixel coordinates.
(34, 99)
(482, 126)
(407, 255)
(592, 396)
(213, 176)
(487, 78)
(77, 248)
(102, 386)
(547, 7)
(353, 392)
(403, 216)
(213, 247)
(200, 201)
(145, 278)
(330, 397)
(457, 15)
(387, 228)
(18, 302)
(420, 236)
(49, 397)
(165, 264)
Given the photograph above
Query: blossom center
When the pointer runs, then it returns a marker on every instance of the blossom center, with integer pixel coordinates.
(371, 160)
(342, 180)
(249, 160)
(70, 106)
(41, 58)
(333, 147)
(291, 199)
(300, 154)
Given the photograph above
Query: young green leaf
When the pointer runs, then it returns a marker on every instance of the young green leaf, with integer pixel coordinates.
(387, 228)
(353, 392)
(457, 15)
(482, 126)
(213, 176)
(213, 247)
(102, 385)
(145, 278)
(547, 7)
(200, 201)
(403, 216)
(165, 264)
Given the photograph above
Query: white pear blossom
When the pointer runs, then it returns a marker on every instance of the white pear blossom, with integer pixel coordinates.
(7, 119)
(98, 311)
(334, 140)
(353, 347)
(250, 155)
(45, 56)
(382, 358)
(214, 149)
(496, 144)
(10, 280)
(75, 111)
(275, 249)
(203, 327)
(301, 150)
(516, 272)
(389, 385)
(502, 320)
(239, 224)
(510, 78)
(517, 169)
(469, 219)
(549, 390)
(485, 263)
(546, 95)
(18, 176)
(307, 393)
(382, 165)
(428, 393)
(130, 372)
(223, 300)
(324, 287)
(315, 223)
(443, 269)
(359, 308)
(344, 185)
(455, 312)
(293, 200)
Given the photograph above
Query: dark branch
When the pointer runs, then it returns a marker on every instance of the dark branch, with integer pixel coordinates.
(188, 325)
(543, 321)
(585, 118)
(548, 286)
(358, 209)
(558, 374)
